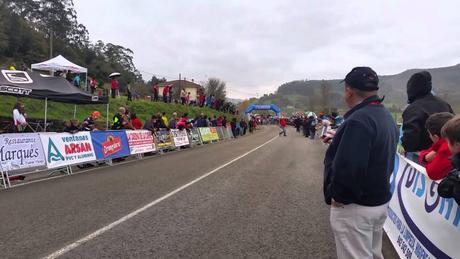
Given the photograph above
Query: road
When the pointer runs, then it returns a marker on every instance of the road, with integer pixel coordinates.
(259, 196)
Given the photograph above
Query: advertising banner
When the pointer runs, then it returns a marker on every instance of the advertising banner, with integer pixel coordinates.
(63, 149)
(163, 139)
(208, 134)
(220, 133)
(110, 144)
(19, 151)
(420, 223)
(195, 136)
(140, 141)
(180, 137)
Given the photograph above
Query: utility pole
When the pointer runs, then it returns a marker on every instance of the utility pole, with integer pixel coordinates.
(51, 44)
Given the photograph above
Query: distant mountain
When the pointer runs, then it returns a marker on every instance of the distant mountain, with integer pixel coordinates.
(309, 94)
(234, 101)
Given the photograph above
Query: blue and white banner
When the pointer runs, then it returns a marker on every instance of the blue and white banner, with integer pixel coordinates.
(110, 144)
(63, 149)
(420, 223)
(20, 151)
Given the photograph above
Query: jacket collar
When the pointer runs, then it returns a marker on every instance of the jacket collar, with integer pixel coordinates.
(370, 100)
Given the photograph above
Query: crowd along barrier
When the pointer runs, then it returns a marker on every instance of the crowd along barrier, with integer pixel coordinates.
(24, 153)
(420, 223)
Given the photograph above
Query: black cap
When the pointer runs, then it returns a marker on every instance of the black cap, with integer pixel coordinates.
(362, 78)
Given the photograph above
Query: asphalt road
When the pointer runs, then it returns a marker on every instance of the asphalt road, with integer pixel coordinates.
(266, 204)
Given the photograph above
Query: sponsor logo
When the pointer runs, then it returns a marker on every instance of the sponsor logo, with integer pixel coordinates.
(94, 98)
(53, 153)
(17, 77)
(111, 146)
(14, 90)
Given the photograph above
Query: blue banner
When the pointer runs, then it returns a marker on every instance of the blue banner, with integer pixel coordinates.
(110, 144)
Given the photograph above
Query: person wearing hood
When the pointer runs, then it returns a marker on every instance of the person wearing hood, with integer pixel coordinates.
(422, 104)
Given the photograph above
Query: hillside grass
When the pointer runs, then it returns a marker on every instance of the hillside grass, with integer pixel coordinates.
(144, 109)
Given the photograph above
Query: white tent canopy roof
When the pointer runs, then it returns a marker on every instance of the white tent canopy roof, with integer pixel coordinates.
(59, 63)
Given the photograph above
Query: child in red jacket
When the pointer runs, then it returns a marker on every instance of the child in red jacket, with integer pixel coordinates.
(437, 158)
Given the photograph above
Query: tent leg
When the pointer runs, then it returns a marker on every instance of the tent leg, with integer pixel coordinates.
(107, 118)
(46, 113)
(86, 82)
(75, 111)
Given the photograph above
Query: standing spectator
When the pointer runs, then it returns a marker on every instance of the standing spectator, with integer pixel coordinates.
(202, 99)
(135, 121)
(173, 121)
(219, 121)
(170, 93)
(93, 85)
(165, 93)
(72, 126)
(19, 117)
(436, 158)
(183, 96)
(202, 122)
(77, 81)
(150, 124)
(422, 104)
(182, 124)
(244, 126)
(155, 93)
(234, 128)
(358, 165)
(187, 99)
(129, 93)
(164, 119)
(119, 121)
(114, 87)
(283, 126)
(312, 126)
(224, 121)
(89, 124)
(213, 121)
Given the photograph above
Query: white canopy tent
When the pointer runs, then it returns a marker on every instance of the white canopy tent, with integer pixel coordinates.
(60, 63)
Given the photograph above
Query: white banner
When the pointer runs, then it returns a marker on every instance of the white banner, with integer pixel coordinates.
(420, 223)
(19, 151)
(62, 149)
(180, 137)
(140, 141)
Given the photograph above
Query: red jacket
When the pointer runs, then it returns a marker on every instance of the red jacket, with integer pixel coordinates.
(283, 122)
(137, 123)
(441, 164)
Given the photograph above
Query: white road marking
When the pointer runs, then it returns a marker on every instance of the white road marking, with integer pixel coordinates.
(108, 227)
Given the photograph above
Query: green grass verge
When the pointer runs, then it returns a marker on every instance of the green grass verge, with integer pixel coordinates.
(35, 109)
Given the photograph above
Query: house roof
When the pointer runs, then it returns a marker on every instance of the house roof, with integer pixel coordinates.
(181, 83)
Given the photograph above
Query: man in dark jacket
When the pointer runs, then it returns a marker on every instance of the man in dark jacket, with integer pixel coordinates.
(358, 165)
(422, 104)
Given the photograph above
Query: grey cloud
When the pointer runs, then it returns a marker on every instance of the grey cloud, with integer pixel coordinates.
(257, 45)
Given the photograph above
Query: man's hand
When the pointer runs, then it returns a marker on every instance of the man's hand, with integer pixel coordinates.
(335, 204)
(430, 156)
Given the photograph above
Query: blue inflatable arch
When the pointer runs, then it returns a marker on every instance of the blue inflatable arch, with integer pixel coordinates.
(271, 107)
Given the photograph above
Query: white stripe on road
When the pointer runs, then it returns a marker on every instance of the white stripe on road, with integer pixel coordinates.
(102, 230)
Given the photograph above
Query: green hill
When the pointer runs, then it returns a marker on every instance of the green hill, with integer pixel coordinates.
(60, 112)
(308, 94)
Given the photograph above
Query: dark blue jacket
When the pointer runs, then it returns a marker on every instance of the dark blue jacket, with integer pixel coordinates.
(360, 159)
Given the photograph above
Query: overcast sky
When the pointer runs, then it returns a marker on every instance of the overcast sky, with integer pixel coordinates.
(257, 45)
